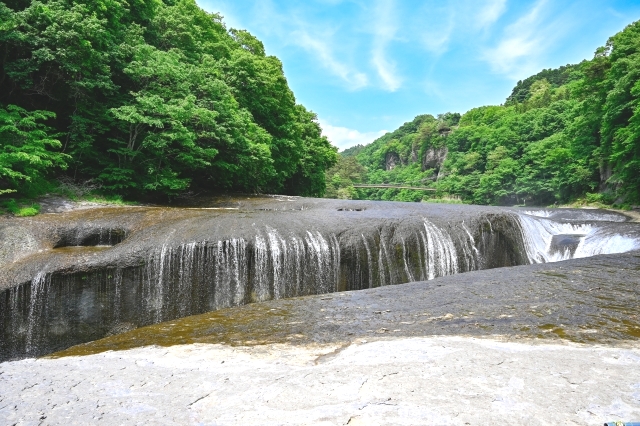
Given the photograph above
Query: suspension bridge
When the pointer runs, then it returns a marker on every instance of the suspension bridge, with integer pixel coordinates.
(391, 185)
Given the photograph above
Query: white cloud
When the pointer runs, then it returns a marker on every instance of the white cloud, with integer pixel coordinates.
(433, 26)
(325, 56)
(438, 25)
(265, 17)
(343, 137)
(521, 47)
(384, 31)
(437, 42)
(294, 28)
(386, 69)
(491, 12)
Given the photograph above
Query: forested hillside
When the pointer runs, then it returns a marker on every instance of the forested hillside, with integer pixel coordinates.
(147, 98)
(561, 135)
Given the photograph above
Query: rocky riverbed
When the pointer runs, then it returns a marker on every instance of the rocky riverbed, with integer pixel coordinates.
(554, 340)
(536, 345)
(81, 275)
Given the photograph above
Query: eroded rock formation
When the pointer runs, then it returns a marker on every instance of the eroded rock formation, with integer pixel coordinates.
(87, 274)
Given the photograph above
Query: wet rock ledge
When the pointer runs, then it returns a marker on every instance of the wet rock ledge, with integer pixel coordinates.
(81, 275)
(592, 301)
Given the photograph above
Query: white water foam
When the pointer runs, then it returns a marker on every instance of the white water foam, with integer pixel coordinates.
(369, 260)
(37, 304)
(539, 213)
(441, 255)
(538, 232)
(578, 215)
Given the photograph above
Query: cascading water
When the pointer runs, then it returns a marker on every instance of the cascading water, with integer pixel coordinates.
(36, 305)
(577, 215)
(547, 240)
(236, 271)
(472, 255)
(441, 255)
(369, 260)
(180, 276)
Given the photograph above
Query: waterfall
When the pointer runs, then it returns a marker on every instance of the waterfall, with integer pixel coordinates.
(295, 277)
(230, 273)
(547, 240)
(599, 242)
(158, 267)
(37, 304)
(369, 260)
(405, 263)
(382, 271)
(441, 255)
(471, 250)
(261, 253)
(335, 253)
(181, 277)
(324, 256)
(278, 251)
(117, 305)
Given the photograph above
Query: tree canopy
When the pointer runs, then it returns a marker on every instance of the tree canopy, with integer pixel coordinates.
(148, 97)
(562, 134)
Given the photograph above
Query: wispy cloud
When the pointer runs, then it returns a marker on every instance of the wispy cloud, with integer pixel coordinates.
(324, 54)
(490, 13)
(433, 25)
(386, 69)
(343, 137)
(266, 18)
(437, 41)
(384, 30)
(294, 28)
(432, 88)
(522, 45)
(616, 13)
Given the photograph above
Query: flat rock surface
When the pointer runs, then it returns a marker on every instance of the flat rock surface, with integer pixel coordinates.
(386, 381)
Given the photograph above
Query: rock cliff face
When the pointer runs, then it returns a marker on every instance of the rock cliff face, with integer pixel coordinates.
(434, 158)
(87, 274)
(391, 161)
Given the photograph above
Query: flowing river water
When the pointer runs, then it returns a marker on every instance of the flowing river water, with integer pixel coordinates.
(75, 277)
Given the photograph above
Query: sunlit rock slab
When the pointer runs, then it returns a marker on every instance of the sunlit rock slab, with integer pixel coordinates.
(413, 381)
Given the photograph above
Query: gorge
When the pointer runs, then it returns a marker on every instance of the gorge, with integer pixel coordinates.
(73, 277)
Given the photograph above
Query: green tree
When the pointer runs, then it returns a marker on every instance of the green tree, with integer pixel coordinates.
(341, 177)
(158, 97)
(27, 152)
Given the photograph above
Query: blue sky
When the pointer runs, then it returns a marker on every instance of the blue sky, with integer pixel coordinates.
(366, 67)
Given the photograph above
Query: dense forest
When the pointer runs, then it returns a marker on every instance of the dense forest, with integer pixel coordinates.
(157, 98)
(147, 98)
(562, 135)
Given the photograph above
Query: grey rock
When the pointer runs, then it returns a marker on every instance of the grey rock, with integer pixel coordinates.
(101, 270)
(418, 381)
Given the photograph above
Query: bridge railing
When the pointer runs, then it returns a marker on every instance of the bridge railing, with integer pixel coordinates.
(390, 185)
